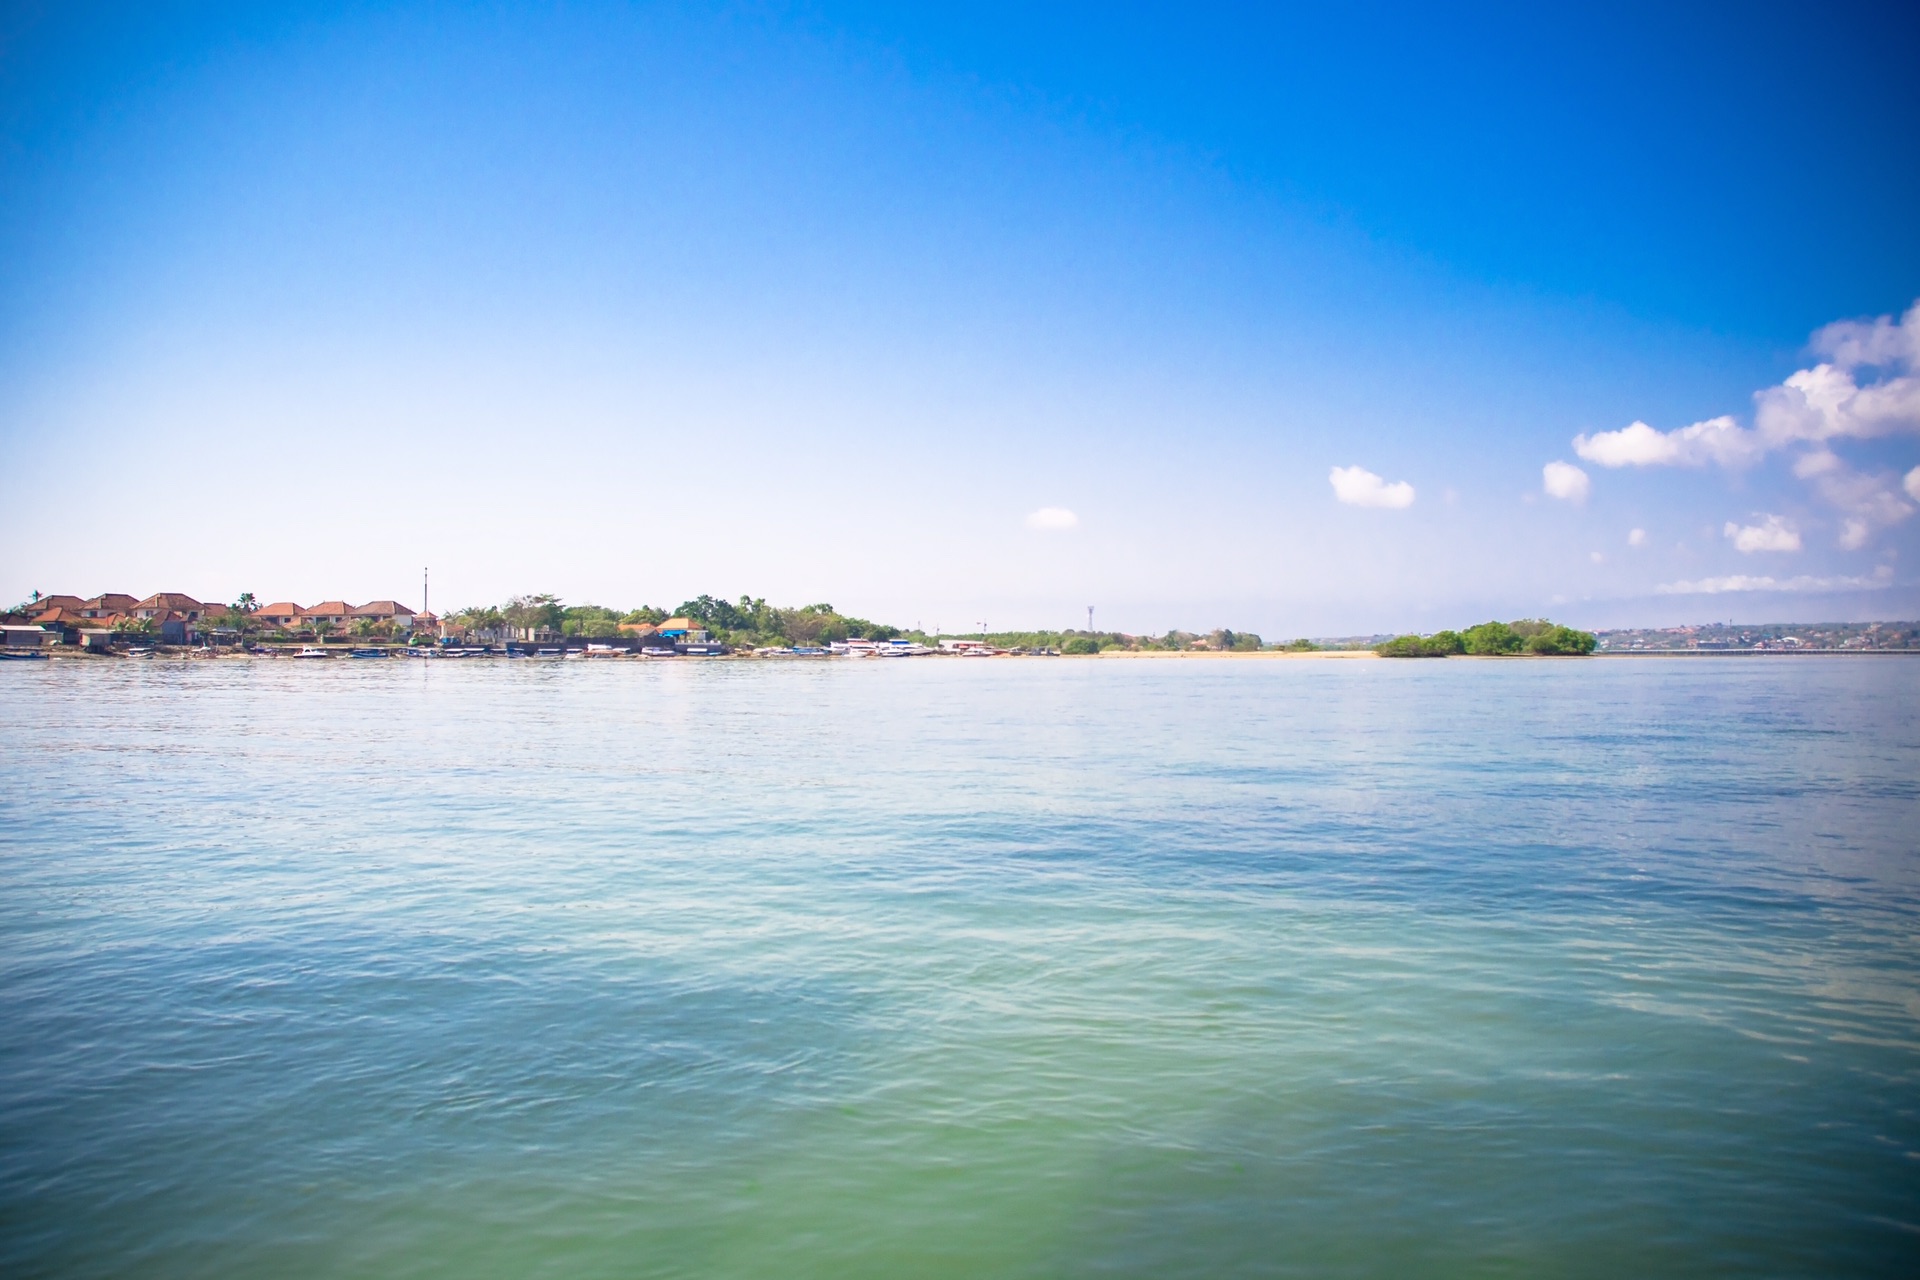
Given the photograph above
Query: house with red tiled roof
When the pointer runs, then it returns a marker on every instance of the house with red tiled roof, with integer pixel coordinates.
(104, 606)
(334, 613)
(391, 611)
(281, 615)
(45, 603)
(164, 602)
(173, 627)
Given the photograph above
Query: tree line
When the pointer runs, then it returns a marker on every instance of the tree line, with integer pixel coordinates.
(745, 622)
(1534, 636)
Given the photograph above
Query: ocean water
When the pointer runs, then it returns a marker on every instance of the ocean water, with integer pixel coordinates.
(937, 968)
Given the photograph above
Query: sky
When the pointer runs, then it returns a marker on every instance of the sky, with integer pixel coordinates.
(1305, 320)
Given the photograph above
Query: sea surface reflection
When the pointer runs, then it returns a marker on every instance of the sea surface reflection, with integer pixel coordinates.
(960, 968)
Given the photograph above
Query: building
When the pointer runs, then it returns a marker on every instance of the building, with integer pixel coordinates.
(683, 631)
(331, 613)
(110, 605)
(44, 603)
(27, 637)
(281, 615)
(389, 611)
(164, 602)
(63, 622)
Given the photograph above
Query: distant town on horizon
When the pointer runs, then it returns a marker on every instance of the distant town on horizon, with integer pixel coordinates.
(710, 625)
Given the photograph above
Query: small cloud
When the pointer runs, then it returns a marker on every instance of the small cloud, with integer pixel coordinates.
(1359, 487)
(1596, 557)
(1882, 578)
(1867, 503)
(1566, 481)
(1637, 538)
(1771, 534)
(1053, 519)
(1866, 385)
(1720, 440)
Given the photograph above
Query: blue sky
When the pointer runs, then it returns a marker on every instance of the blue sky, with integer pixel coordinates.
(631, 302)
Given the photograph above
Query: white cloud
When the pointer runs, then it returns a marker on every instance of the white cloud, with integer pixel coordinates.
(1882, 577)
(1720, 440)
(1596, 557)
(1771, 534)
(1359, 487)
(1881, 343)
(1867, 384)
(1564, 480)
(1867, 503)
(1637, 537)
(1053, 519)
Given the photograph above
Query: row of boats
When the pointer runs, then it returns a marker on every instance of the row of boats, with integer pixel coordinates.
(835, 649)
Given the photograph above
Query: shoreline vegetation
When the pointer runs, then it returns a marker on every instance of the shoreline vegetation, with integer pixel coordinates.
(1532, 637)
(752, 623)
(542, 625)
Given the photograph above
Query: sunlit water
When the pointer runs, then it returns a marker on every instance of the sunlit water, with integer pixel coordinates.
(943, 968)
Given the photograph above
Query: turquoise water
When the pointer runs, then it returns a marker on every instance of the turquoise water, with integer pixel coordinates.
(940, 968)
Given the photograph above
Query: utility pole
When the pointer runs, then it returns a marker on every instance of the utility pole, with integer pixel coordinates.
(423, 592)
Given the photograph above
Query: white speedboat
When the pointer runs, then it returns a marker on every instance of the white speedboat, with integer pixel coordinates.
(311, 651)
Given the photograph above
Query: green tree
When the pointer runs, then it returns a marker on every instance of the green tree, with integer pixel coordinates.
(1490, 638)
(531, 612)
(1441, 644)
(589, 620)
(478, 618)
(1558, 641)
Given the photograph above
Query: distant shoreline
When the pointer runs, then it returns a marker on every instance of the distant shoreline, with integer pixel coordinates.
(162, 653)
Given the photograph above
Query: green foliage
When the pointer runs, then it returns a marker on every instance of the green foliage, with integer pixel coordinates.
(478, 618)
(1302, 645)
(1558, 641)
(753, 621)
(1080, 645)
(589, 620)
(531, 612)
(1494, 639)
(1490, 638)
(1441, 644)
